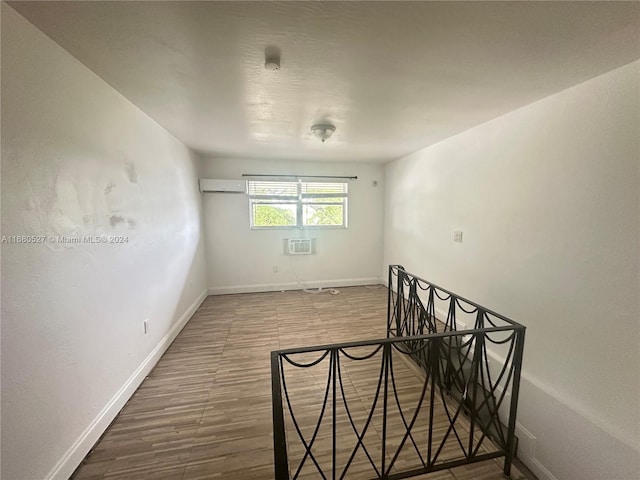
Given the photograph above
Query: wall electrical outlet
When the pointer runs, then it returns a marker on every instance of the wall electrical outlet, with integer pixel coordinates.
(146, 326)
(457, 236)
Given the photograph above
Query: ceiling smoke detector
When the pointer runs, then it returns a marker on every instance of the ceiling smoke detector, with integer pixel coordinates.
(323, 132)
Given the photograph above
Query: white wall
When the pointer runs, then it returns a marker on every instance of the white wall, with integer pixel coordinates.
(240, 259)
(79, 159)
(548, 200)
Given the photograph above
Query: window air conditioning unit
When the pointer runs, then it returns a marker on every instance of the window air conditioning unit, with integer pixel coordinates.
(222, 186)
(299, 246)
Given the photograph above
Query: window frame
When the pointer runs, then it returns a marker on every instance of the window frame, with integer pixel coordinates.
(300, 200)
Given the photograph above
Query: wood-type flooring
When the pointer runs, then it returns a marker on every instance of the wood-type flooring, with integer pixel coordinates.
(204, 412)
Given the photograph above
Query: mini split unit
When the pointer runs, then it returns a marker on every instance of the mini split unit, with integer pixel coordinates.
(222, 186)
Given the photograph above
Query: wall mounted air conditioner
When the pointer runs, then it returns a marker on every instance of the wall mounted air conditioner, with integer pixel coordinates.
(298, 246)
(208, 185)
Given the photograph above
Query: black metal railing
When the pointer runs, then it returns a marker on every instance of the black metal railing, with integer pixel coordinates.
(429, 397)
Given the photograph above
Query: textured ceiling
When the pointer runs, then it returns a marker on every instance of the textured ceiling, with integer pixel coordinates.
(392, 76)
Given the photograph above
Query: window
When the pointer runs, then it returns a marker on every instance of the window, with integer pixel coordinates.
(291, 204)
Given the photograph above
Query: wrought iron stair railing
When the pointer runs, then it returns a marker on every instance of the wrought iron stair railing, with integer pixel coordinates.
(364, 410)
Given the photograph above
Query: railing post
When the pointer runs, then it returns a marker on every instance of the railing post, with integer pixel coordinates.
(399, 301)
(281, 462)
(474, 375)
(389, 297)
(411, 317)
(451, 315)
(434, 359)
(480, 319)
(334, 438)
(386, 354)
(515, 390)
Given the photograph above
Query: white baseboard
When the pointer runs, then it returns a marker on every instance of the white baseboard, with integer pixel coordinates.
(85, 442)
(527, 453)
(539, 470)
(276, 287)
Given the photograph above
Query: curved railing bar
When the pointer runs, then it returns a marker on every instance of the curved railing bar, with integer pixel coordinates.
(451, 426)
(411, 424)
(451, 316)
(473, 310)
(423, 346)
(501, 317)
(306, 365)
(404, 421)
(466, 343)
(360, 437)
(445, 298)
(501, 342)
(465, 383)
(483, 389)
(508, 367)
(297, 427)
(366, 357)
(494, 416)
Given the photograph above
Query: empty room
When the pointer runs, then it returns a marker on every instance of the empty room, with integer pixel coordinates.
(309, 239)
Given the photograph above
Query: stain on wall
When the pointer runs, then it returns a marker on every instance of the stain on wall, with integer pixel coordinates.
(115, 220)
(75, 198)
(130, 169)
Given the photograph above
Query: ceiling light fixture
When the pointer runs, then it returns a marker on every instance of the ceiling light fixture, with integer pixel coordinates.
(272, 64)
(324, 131)
(272, 58)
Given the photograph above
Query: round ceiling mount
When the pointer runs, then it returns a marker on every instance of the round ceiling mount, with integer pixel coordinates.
(323, 131)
